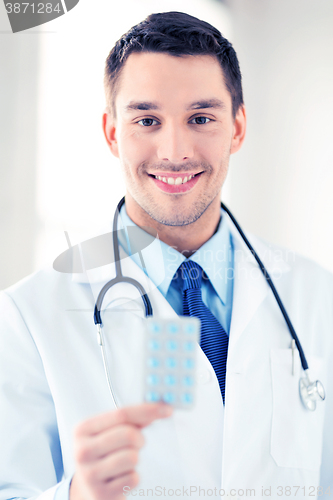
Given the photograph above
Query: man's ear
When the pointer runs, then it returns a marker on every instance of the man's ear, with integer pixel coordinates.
(239, 130)
(109, 129)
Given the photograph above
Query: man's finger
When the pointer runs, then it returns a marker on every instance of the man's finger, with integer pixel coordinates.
(122, 484)
(140, 415)
(102, 444)
(117, 464)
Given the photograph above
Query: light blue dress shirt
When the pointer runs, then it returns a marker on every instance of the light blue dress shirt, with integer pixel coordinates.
(216, 257)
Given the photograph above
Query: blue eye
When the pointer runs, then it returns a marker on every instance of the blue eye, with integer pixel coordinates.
(147, 122)
(200, 120)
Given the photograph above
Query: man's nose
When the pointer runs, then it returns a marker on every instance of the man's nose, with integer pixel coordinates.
(175, 144)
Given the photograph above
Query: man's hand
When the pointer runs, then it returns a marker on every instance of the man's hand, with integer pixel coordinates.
(107, 451)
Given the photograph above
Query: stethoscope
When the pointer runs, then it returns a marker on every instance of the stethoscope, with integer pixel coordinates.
(310, 392)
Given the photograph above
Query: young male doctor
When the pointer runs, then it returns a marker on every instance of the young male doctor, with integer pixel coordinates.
(175, 114)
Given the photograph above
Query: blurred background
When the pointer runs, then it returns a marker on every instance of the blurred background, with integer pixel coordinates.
(57, 174)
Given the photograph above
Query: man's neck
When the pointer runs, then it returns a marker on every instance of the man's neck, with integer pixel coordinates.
(186, 239)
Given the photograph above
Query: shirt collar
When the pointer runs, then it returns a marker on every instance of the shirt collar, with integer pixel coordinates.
(215, 257)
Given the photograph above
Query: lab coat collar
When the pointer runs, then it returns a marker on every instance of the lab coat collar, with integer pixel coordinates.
(274, 258)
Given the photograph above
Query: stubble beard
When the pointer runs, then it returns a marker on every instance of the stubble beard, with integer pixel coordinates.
(177, 216)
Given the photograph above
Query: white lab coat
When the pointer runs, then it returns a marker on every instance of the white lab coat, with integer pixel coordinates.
(52, 378)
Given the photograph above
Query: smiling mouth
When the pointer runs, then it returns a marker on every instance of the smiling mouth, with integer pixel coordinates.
(175, 180)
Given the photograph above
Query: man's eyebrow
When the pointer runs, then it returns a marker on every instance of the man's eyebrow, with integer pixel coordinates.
(140, 105)
(207, 103)
(147, 105)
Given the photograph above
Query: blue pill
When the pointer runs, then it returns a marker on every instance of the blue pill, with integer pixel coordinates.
(152, 397)
(154, 328)
(153, 362)
(170, 380)
(172, 345)
(188, 363)
(154, 345)
(190, 328)
(189, 346)
(169, 397)
(187, 398)
(188, 381)
(153, 379)
(173, 328)
(171, 362)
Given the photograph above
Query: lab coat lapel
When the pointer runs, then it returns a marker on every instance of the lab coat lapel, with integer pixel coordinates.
(250, 286)
(250, 289)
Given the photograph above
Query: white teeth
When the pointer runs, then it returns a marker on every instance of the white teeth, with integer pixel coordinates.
(172, 181)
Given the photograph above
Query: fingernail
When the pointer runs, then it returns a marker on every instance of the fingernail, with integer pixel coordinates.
(165, 410)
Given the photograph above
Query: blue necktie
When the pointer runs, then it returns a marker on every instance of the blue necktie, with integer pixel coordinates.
(214, 340)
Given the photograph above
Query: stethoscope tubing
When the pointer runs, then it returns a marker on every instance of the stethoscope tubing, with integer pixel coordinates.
(148, 307)
(306, 387)
(119, 275)
(263, 269)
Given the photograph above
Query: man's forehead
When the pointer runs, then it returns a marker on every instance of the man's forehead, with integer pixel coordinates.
(142, 66)
(154, 81)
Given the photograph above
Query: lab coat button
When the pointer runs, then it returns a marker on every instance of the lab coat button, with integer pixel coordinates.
(204, 376)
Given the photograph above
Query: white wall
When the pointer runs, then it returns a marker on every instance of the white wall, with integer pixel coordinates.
(281, 183)
(18, 139)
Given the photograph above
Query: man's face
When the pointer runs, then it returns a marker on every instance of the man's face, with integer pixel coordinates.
(173, 134)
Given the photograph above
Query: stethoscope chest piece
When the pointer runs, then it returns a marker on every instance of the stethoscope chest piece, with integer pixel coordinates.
(311, 392)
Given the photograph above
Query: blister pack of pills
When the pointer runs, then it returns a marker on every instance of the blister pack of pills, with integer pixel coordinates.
(170, 360)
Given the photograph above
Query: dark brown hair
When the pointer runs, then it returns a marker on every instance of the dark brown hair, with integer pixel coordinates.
(177, 34)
